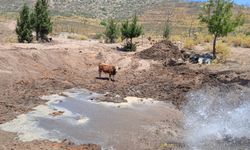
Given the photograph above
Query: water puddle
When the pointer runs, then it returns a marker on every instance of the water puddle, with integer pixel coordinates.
(75, 115)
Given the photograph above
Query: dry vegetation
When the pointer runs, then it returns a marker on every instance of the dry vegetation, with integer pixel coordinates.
(183, 17)
(85, 26)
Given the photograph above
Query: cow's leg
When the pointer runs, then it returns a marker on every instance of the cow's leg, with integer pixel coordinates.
(100, 73)
(110, 77)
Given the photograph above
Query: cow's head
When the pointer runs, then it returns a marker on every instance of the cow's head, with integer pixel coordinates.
(117, 68)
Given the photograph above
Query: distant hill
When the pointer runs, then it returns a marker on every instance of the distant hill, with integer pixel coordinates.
(90, 8)
(153, 13)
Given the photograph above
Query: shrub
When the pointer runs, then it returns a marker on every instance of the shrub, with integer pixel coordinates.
(246, 42)
(112, 31)
(223, 51)
(11, 39)
(98, 36)
(166, 32)
(203, 38)
(41, 20)
(130, 31)
(208, 38)
(23, 27)
(130, 47)
(175, 38)
(247, 33)
(236, 40)
(189, 43)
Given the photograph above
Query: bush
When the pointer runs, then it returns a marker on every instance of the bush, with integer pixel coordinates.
(208, 38)
(175, 38)
(112, 31)
(23, 27)
(236, 40)
(11, 39)
(223, 51)
(166, 32)
(189, 43)
(41, 20)
(246, 42)
(130, 47)
(98, 36)
(130, 31)
(247, 33)
(203, 38)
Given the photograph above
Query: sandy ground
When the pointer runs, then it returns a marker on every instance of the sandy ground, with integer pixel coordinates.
(28, 71)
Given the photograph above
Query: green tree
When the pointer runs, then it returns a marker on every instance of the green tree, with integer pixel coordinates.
(41, 20)
(167, 31)
(112, 30)
(23, 27)
(130, 31)
(220, 20)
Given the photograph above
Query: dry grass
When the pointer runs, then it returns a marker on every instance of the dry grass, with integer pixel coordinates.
(240, 40)
(222, 49)
(77, 37)
(78, 25)
(11, 39)
(189, 43)
(246, 42)
(176, 38)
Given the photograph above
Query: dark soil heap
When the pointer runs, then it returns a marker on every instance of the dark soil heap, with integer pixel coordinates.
(161, 51)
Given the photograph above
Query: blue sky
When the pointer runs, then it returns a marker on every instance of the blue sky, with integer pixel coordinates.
(241, 2)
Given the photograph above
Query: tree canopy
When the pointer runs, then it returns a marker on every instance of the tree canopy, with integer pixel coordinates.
(130, 31)
(220, 19)
(23, 27)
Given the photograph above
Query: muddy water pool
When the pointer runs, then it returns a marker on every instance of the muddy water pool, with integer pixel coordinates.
(77, 116)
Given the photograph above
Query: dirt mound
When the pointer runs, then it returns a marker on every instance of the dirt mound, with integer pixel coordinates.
(161, 51)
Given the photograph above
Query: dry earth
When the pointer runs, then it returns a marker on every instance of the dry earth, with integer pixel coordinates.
(28, 71)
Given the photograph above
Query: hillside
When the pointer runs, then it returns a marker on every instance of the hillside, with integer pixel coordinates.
(89, 8)
(70, 15)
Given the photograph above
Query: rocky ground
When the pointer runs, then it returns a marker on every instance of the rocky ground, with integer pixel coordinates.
(31, 70)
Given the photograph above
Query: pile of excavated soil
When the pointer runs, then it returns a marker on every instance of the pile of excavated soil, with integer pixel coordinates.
(161, 51)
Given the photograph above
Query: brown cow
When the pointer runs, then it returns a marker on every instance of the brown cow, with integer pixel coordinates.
(108, 69)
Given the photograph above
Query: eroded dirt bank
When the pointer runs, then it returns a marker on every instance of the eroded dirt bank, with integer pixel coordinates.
(31, 70)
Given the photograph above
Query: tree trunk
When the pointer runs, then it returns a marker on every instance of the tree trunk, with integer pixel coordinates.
(37, 36)
(214, 46)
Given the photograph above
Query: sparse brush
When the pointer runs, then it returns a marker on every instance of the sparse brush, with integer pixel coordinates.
(77, 37)
(223, 51)
(175, 38)
(236, 41)
(208, 38)
(11, 39)
(98, 36)
(246, 42)
(208, 48)
(189, 43)
(199, 38)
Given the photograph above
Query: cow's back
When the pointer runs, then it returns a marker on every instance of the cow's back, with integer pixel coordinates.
(107, 68)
